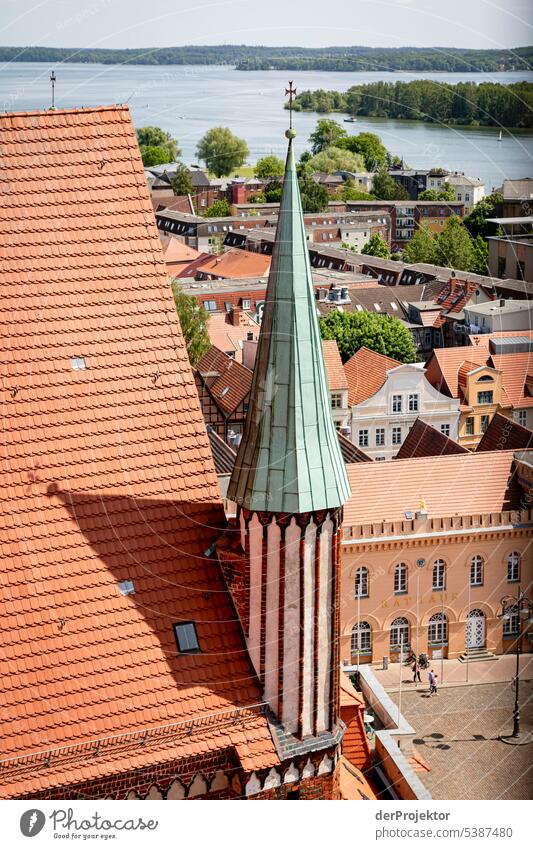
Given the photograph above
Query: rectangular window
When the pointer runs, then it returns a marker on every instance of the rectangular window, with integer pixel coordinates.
(126, 587)
(445, 429)
(210, 306)
(363, 438)
(485, 397)
(522, 418)
(78, 363)
(484, 423)
(396, 436)
(396, 403)
(380, 436)
(427, 337)
(511, 624)
(413, 403)
(246, 304)
(336, 400)
(186, 638)
(469, 426)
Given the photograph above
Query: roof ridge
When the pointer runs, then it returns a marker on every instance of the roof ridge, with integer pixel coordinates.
(72, 111)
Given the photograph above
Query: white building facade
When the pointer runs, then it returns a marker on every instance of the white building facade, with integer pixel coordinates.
(380, 424)
(468, 190)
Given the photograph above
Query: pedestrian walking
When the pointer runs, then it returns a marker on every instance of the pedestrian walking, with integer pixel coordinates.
(435, 684)
(431, 676)
(416, 672)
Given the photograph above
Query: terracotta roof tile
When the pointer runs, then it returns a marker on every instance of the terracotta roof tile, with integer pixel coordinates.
(515, 369)
(423, 440)
(334, 370)
(366, 372)
(230, 337)
(107, 473)
(448, 484)
(505, 434)
(237, 263)
(227, 380)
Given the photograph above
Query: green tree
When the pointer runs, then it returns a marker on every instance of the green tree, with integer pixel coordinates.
(481, 256)
(326, 134)
(220, 209)
(369, 146)
(453, 247)
(382, 333)
(194, 321)
(152, 155)
(376, 246)
(181, 181)
(421, 248)
(444, 193)
(386, 188)
(315, 198)
(269, 166)
(155, 137)
(272, 192)
(333, 159)
(352, 193)
(476, 221)
(258, 197)
(221, 151)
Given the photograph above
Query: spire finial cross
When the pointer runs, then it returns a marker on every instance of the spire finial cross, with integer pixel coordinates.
(290, 92)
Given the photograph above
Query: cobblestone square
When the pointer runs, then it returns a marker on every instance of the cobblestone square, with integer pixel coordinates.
(457, 734)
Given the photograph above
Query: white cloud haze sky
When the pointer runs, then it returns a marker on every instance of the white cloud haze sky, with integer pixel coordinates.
(313, 23)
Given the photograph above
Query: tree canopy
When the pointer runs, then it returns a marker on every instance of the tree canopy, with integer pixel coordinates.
(194, 321)
(370, 147)
(157, 147)
(452, 248)
(421, 248)
(221, 151)
(269, 166)
(220, 209)
(181, 181)
(476, 221)
(385, 187)
(382, 333)
(445, 192)
(315, 197)
(327, 133)
(333, 159)
(376, 246)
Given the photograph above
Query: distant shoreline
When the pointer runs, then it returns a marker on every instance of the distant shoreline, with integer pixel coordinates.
(259, 58)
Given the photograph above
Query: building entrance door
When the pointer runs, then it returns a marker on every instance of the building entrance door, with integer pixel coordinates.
(475, 629)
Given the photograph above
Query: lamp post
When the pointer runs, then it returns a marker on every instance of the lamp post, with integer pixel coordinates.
(522, 606)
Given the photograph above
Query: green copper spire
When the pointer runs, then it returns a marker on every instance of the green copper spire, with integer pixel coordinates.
(289, 460)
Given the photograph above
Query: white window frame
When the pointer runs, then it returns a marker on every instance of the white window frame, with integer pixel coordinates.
(401, 581)
(438, 629)
(362, 438)
(413, 401)
(396, 436)
(361, 638)
(362, 582)
(397, 404)
(380, 436)
(513, 567)
(438, 580)
(476, 570)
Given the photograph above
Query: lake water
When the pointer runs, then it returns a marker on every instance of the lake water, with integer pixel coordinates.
(188, 100)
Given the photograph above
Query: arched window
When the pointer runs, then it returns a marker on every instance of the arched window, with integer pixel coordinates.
(400, 578)
(513, 567)
(438, 628)
(361, 637)
(476, 571)
(399, 633)
(361, 582)
(511, 624)
(439, 575)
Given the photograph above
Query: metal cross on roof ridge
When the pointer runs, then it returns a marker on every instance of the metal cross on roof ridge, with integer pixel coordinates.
(290, 92)
(53, 81)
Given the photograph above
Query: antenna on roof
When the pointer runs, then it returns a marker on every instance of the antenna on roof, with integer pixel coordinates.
(53, 81)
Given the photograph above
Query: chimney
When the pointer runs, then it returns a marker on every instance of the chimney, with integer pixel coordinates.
(236, 314)
(502, 302)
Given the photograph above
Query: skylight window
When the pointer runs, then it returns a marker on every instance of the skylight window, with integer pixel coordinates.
(224, 391)
(78, 363)
(126, 587)
(186, 637)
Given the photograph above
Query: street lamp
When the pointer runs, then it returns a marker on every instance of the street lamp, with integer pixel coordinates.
(521, 606)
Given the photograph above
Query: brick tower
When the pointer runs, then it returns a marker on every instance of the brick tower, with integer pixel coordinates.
(290, 485)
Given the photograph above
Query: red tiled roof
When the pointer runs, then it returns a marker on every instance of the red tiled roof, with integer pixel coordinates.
(454, 297)
(448, 484)
(227, 336)
(423, 440)
(237, 263)
(505, 434)
(366, 372)
(444, 365)
(107, 470)
(175, 251)
(515, 369)
(334, 370)
(228, 381)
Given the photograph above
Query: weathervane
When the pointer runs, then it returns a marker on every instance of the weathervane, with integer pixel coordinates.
(290, 92)
(53, 81)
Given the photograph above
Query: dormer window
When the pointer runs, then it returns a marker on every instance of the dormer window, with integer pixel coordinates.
(186, 637)
(127, 587)
(78, 363)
